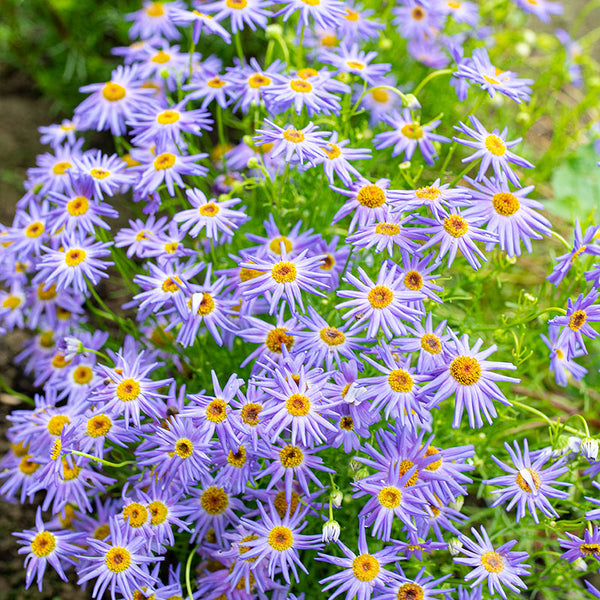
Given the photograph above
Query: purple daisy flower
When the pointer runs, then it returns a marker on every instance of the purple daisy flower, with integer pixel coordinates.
(529, 485)
(380, 304)
(560, 365)
(510, 215)
(480, 70)
(325, 13)
(417, 276)
(107, 173)
(468, 374)
(252, 82)
(297, 145)
(44, 547)
(121, 564)
(492, 149)
(437, 198)
(575, 323)
(542, 9)
(500, 566)
(208, 85)
(335, 159)
(349, 59)
(78, 260)
(418, 19)
(581, 548)
(278, 539)
(357, 26)
(284, 276)
(199, 21)
(362, 573)
(113, 103)
(582, 244)
(455, 233)
(241, 13)
(155, 18)
(421, 587)
(408, 134)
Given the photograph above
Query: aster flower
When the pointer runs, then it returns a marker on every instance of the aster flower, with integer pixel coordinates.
(468, 374)
(78, 259)
(408, 134)
(428, 341)
(139, 233)
(542, 9)
(325, 14)
(422, 587)
(278, 539)
(284, 277)
(242, 13)
(120, 564)
(349, 59)
(213, 216)
(437, 198)
(209, 85)
(582, 244)
(55, 135)
(52, 170)
(300, 92)
(529, 485)
(107, 173)
(252, 82)
(361, 573)
(575, 323)
(493, 80)
(418, 19)
(356, 24)
(509, 214)
(45, 547)
(560, 365)
(500, 566)
(335, 158)
(113, 103)
(386, 234)
(155, 18)
(380, 304)
(417, 276)
(455, 233)
(297, 145)
(492, 149)
(581, 548)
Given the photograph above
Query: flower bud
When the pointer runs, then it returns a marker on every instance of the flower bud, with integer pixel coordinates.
(331, 532)
(589, 448)
(579, 565)
(361, 474)
(336, 498)
(274, 31)
(70, 346)
(457, 504)
(410, 101)
(454, 546)
(252, 163)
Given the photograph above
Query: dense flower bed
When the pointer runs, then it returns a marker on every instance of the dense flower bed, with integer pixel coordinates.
(317, 360)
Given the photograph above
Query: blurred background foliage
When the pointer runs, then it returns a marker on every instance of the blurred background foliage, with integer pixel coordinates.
(60, 45)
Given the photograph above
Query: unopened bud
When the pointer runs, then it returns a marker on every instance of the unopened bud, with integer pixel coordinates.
(404, 165)
(252, 163)
(455, 546)
(410, 101)
(274, 31)
(336, 498)
(589, 448)
(70, 346)
(355, 465)
(580, 565)
(361, 474)
(331, 532)
(457, 504)
(345, 77)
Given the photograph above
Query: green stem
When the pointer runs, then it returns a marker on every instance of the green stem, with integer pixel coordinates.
(98, 353)
(14, 393)
(544, 417)
(380, 87)
(238, 46)
(300, 53)
(562, 239)
(221, 130)
(188, 570)
(429, 77)
(101, 460)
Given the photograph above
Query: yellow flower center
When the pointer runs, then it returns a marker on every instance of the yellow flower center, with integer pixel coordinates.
(99, 425)
(365, 567)
(291, 456)
(577, 320)
(493, 562)
(412, 131)
(456, 226)
(117, 559)
(410, 591)
(155, 9)
(238, 4)
(351, 15)
(387, 229)
(69, 473)
(214, 500)
(207, 304)
(56, 424)
(332, 336)
(170, 285)
(418, 13)
(275, 244)
(158, 512)
(34, 229)
(590, 549)
(28, 466)
(19, 449)
(380, 96)
(371, 196)
(59, 362)
(301, 86)
(495, 144)
(171, 247)
(413, 281)
(78, 206)
(258, 80)
(47, 339)
(99, 173)
(328, 263)
(405, 467)
(237, 459)
(354, 64)
(281, 504)
(75, 256)
(505, 203)
(43, 544)
(380, 296)
(60, 168)
(11, 302)
(293, 135)
(390, 497)
(347, 423)
(82, 374)
(113, 91)
(101, 532)
(307, 72)
(56, 449)
(184, 448)
(466, 370)
(333, 151)
(216, 82)
(400, 381)
(167, 117)
(278, 336)
(128, 390)
(136, 514)
(46, 294)
(298, 405)
(434, 466)
(164, 161)
(161, 57)
(537, 482)
(281, 538)
(216, 411)
(284, 272)
(428, 192)
(250, 413)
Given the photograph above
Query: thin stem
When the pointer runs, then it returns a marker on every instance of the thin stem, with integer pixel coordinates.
(101, 460)
(221, 130)
(429, 77)
(300, 53)
(14, 393)
(562, 239)
(238, 46)
(188, 569)
(544, 417)
(98, 353)
(380, 87)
